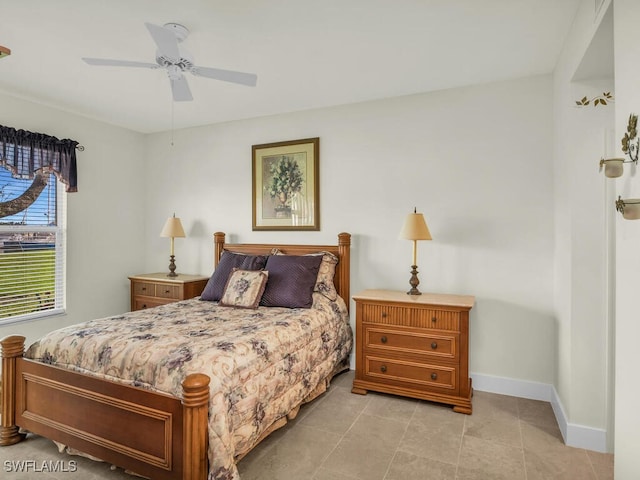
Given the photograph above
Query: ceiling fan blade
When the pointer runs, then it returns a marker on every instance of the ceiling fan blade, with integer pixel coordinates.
(119, 63)
(248, 79)
(180, 89)
(165, 40)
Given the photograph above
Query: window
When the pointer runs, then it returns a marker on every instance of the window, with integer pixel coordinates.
(32, 246)
(33, 168)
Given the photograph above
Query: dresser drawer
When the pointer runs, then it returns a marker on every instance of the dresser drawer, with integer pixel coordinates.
(419, 342)
(156, 290)
(389, 314)
(140, 303)
(167, 291)
(411, 374)
(437, 319)
(144, 288)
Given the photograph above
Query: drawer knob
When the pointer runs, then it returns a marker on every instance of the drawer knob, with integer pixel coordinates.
(383, 339)
(434, 345)
(144, 305)
(434, 376)
(144, 289)
(167, 291)
(384, 314)
(434, 319)
(383, 368)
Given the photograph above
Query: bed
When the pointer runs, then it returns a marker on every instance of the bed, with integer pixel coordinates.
(177, 414)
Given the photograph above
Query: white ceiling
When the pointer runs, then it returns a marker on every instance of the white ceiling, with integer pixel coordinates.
(306, 53)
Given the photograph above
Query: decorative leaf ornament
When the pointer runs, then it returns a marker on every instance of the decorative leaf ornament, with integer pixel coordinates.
(630, 134)
(603, 99)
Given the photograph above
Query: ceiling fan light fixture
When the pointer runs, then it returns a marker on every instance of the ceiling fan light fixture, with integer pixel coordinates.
(174, 72)
(177, 61)
(185, 62)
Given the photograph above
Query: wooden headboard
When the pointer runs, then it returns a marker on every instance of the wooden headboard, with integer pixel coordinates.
(341, 250)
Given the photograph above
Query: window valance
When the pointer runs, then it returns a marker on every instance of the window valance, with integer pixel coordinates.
(27, 153)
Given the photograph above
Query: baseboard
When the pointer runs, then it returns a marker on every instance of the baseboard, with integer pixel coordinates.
(512, 386)
(579, 436)
(574, 435)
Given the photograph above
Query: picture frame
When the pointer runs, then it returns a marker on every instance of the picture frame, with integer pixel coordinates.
(285, 185)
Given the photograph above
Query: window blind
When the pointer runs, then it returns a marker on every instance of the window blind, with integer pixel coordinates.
(32, 251)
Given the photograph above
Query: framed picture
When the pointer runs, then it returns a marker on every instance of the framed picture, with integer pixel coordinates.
(286, 185)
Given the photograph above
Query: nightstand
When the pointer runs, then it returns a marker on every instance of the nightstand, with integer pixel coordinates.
(153, 289)
(414, 345)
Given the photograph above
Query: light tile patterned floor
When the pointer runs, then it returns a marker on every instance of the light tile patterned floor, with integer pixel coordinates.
(342, 436)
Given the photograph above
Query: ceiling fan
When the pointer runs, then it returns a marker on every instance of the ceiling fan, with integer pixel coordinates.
(176, 60)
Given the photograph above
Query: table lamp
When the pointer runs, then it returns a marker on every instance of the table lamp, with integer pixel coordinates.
(415, 228)
(172, 229)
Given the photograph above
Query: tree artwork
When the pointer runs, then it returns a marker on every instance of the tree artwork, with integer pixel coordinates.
(286, 180)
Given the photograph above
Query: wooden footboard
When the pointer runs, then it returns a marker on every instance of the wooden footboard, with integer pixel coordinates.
(151, 434)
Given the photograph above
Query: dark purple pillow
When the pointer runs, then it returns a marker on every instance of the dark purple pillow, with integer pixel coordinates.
(228, 261)
(291, 281)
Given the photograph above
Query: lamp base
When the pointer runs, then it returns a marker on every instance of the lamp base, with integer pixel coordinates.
(414, 281)
(172, 267)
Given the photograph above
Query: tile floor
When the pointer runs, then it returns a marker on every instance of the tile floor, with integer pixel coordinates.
(342, 436)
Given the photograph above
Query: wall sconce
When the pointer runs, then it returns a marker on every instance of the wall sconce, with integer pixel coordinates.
(415, 228)
(172, 229)
(629, 146)
(4, 52)
(629, 208)
(613, 167)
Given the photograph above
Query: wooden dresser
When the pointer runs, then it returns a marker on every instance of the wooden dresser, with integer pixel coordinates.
(414, 345)
(153, 289)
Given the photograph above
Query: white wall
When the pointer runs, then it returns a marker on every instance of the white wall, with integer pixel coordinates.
(627, 74)
(582, 202)
(105, 217)
(476, 161)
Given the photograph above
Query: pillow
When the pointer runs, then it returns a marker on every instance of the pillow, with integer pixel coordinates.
(326, 273)
(229, 260)
(244, 288)
(291, 280)
(324, 282)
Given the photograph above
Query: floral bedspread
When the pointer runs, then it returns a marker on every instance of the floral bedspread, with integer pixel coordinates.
(262, 363)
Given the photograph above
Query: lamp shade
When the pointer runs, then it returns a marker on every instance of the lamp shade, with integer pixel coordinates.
(415, 228)
(172, 228)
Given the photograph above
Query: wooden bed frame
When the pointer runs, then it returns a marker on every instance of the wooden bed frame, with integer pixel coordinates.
(152, 434)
